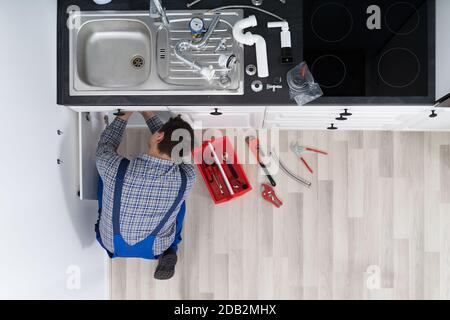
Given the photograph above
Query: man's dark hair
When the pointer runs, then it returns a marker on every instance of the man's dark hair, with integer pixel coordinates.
(166, 145)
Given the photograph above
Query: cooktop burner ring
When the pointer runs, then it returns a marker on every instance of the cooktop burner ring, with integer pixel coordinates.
(341, 63)
(392, 7)
(322, 36)
(410, 55)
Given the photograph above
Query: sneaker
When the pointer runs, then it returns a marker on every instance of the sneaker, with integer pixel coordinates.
(166, 265)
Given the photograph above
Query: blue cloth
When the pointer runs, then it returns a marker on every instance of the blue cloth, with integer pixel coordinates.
(179, 228)
(144, 248)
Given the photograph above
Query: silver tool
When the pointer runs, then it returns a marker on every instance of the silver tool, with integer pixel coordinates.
(193, 3)
(222, 172)
(257, 86)
(216, 180)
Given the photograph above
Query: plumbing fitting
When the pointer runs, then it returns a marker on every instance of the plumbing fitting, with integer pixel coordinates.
(257, 86)
(286, 44)
(250, 39)
(227, 61)
(224, 81)
(197, 27)
(251, 69)
(273, 87)
(222, 46)
(207, 72)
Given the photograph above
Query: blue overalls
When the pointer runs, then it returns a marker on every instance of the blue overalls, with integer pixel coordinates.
(144, 248)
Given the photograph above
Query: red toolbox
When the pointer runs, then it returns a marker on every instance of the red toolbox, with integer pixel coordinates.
(221, 170)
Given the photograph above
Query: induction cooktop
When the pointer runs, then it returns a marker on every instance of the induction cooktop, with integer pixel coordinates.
(377, 48)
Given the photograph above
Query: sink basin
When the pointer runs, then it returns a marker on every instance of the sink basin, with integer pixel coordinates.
(129, 53)
(114, 53)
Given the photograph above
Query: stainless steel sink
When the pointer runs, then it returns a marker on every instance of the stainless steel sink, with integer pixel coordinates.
(129, 53)
(114, 53)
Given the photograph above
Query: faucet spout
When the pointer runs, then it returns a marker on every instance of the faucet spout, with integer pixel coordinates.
(157, 10)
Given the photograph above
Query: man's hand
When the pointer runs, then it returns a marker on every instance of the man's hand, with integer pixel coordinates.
(147, 114)
(126, 116)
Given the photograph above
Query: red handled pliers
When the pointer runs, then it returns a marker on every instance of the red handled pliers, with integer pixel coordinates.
(300, 151)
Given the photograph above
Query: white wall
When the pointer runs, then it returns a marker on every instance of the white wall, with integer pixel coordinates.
(44, 228)
(442, 48)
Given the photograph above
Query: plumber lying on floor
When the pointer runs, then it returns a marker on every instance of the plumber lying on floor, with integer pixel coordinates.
(141, 202)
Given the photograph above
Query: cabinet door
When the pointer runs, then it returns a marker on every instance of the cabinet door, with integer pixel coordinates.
(322, 117)
(112, 109)
(90, 126)
(423, 122)
(222, 118)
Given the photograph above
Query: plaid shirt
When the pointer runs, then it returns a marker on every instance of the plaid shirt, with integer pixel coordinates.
(150, 188)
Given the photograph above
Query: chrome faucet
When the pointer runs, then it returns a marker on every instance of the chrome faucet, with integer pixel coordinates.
(157, 10)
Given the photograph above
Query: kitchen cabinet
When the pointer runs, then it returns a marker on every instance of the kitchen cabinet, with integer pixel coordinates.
(225, 117)
(362, 118)
(90, 126)
(423, 121)
(112, 109)
(405, 118)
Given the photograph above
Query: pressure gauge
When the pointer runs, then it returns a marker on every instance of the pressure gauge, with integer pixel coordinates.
(197, 26)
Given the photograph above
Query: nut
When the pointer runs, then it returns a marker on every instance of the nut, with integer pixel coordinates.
(251, 69)
(224, 81)
(257, 86)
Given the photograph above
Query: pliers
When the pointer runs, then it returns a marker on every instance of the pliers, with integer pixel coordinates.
(300, 151)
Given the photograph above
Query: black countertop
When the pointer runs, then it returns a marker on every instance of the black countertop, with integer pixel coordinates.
(291, 11)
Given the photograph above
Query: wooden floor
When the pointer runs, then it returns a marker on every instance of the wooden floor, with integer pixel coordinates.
(375, 225)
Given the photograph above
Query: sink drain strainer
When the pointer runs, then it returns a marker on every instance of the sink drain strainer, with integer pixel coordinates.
(137, 61)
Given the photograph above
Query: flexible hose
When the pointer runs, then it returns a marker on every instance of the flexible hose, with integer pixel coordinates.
(247, 7)
(285, 169)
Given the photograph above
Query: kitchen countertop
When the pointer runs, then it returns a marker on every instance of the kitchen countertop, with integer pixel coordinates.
(291, 11)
